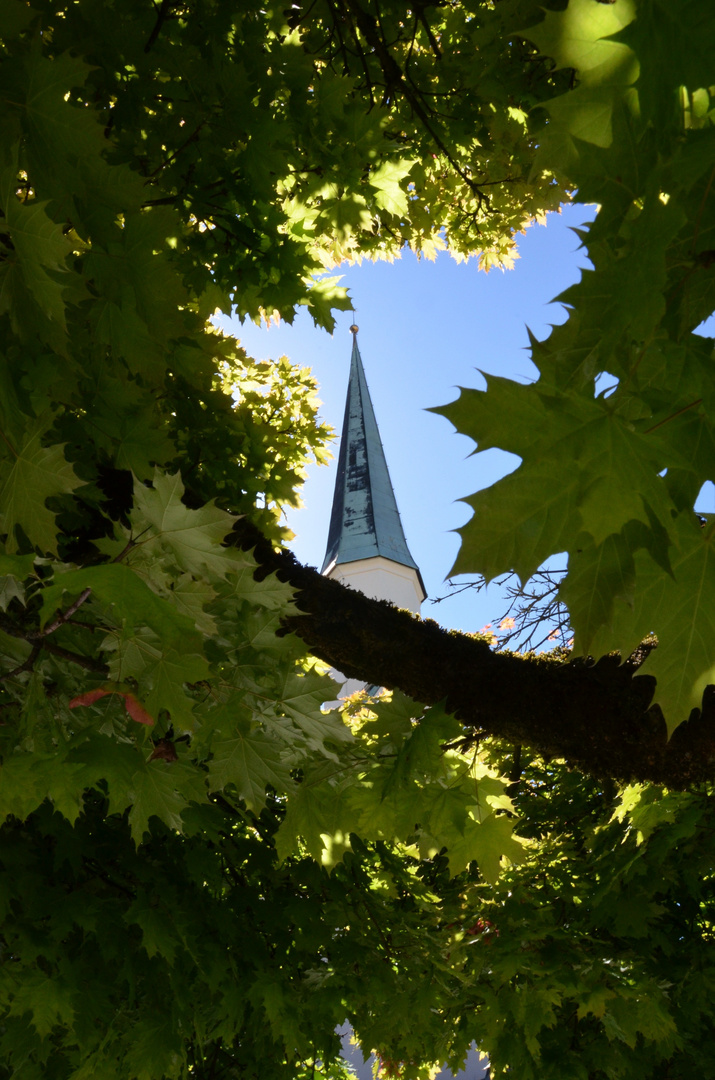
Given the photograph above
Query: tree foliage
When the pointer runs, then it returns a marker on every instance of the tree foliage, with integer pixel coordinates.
(623, 388)
(204, 872)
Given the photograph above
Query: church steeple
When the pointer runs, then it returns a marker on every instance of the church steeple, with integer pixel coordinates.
(366, 537)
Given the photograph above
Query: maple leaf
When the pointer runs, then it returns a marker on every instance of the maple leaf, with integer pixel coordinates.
(676, 608)
(581, 38)
(37, 473)
(14, 18)
(159, 935)
(599, 574)
(25, 780)
(48, 1000)
(191, 598)
(386, 180)
(250, 761)
(163, 789)
(271, 592)
(14, 569)
(320, 816)
(40, 249)
(324, 297)
(487, 842)
(194, 537)
(301, 698)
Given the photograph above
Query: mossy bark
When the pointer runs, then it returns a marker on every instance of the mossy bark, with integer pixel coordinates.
(598, 716)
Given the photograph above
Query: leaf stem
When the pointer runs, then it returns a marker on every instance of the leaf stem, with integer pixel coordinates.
(672, 416)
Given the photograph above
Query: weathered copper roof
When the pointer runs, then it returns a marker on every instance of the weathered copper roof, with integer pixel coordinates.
(365, 521)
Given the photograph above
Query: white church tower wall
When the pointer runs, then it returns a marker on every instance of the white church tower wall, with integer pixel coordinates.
(382, 579)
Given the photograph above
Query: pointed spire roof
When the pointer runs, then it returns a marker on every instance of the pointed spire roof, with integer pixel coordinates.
(365, 521)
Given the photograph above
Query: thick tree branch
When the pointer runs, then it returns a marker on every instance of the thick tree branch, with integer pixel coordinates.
(598, 716)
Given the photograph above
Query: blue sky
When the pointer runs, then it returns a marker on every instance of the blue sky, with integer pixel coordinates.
(425, 329)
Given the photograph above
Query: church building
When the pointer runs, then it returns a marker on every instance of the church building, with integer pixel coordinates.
(367, 549)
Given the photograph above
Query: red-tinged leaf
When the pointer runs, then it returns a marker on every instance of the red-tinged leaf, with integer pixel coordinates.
(89, 698)
(137, 711)
(164, 751)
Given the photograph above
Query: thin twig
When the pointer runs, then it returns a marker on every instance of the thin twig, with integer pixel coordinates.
(160, 20)
(65, 615)
(74, 658)
(26, 666)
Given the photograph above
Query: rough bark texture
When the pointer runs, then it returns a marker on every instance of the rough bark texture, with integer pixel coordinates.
(598, 716)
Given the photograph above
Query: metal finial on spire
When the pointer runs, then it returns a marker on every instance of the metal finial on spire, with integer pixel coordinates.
(354, 329)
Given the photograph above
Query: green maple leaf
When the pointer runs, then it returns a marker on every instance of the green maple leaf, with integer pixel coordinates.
(637, 1014)
(164, 790)
(620, 473)
(345, 215)
(587, 111)
(395, 814)
(580, 37)
(396, 717)
(132, 434)
(324, 297)
(487, 841)
(15, 17)
(598, 575)
(57, 129)
(155, 1048)
(505, 416)
(421, 753)
(270, 593)
(259, 630)
(191, 598)
(48, 1000)
(104, 758)
(680, 610)
(10, 589)
(675, 48)
(25, 780)
(577, 37)
(37, 473)
(40, 249)
(320, 816)
(301, 698)
(624, 295)
(194, 537)
(13, 571)
(521, 521)
(250, 761)
(539, 509)
(159, 935)
(169, 672)
(121, 327)
(386, 181)
(595, 1002)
